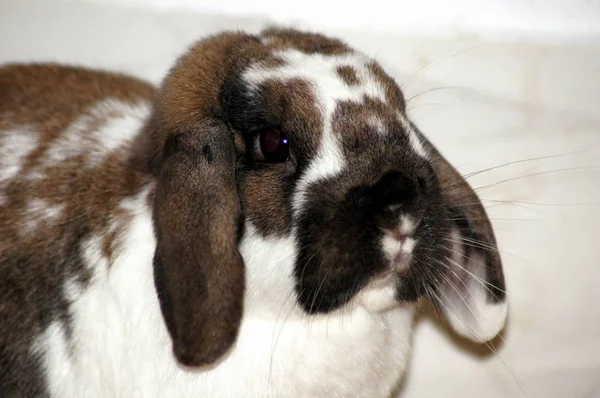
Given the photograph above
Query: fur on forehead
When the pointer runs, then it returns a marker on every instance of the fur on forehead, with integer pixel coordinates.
(191, 90)
(340, 75)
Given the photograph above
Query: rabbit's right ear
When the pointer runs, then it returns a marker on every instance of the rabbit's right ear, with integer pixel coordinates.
(198, 271)
(190, 150)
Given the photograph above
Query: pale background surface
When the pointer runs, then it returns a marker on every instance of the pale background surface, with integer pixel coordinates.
(511, 82)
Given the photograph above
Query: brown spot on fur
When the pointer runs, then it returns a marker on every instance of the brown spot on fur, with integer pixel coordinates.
(293, 102)
(392, 90)
(353, 120)
(306, 42)
(348, 75)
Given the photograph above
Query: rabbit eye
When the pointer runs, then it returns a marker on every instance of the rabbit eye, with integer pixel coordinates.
(274, 145)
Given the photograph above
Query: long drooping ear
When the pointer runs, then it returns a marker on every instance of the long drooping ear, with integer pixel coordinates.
(471, 291)
(190, 149)
(199, 273)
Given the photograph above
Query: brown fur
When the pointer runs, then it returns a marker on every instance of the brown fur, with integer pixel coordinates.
(281, 39)
(33, 264)
(393, 93)
(348, 75)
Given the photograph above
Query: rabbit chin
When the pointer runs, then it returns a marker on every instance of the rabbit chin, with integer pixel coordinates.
(380, 293)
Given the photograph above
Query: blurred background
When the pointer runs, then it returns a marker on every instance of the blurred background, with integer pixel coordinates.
(509, 91)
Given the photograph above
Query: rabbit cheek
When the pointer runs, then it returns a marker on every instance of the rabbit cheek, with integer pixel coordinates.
(264, 197)
(338, 251)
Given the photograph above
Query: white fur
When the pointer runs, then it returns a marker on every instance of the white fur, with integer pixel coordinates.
(53, 346)
(396, 251)
(377, 124)
(465, 304)
(380, 294)
(38, 211)
(15, 145)
(121, 346)
(413, 138)
(107, 125)
(407, 225)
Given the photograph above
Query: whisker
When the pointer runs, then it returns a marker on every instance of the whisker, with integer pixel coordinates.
(545, 204)
(494, 219)
(316, 292)
(438, 59)
(523, 161)
(479, 189)
(410, 108)
(490, 346)
(436, 89)
(483, 283)
(514, 376)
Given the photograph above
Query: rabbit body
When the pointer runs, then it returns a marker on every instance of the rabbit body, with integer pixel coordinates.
(263, 224)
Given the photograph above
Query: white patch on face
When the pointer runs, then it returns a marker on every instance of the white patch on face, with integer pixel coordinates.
(108, 125)
(377, 125)
(416, 144)
(329, 90)
(396, 251)
(38, 211)
(413, 138)
(407, 225)
(391, 247)
(409, 245)
(15, 145)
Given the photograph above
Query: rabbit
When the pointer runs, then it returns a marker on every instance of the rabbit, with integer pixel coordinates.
(266, 222)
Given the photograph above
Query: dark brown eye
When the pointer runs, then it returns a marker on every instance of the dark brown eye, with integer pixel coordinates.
(274, 145)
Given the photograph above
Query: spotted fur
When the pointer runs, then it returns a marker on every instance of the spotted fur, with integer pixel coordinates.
(148, 250)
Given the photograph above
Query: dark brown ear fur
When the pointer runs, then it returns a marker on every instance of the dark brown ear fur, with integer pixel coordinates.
(188, 146)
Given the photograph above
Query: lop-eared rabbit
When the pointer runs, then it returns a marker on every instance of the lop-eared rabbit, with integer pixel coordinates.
(263, 224)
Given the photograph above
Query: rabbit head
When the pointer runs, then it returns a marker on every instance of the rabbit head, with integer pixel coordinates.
(299, 137)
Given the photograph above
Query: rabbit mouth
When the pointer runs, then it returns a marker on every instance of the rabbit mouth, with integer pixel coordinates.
(398, 252)
(380, 293)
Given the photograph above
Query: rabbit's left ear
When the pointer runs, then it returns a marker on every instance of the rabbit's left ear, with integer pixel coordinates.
(471, 292)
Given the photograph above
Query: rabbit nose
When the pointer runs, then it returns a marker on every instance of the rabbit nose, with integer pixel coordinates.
(395, 195)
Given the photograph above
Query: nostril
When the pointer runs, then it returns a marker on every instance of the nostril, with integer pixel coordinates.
(422, 184)
(399, 236)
